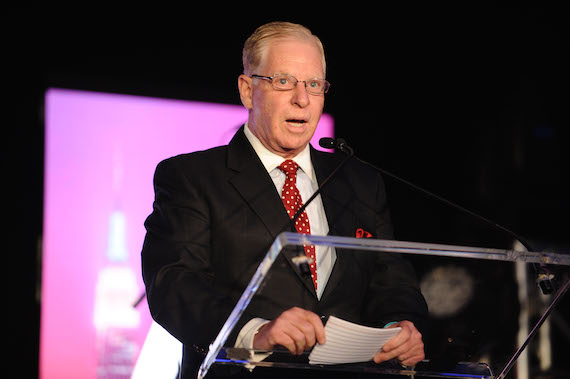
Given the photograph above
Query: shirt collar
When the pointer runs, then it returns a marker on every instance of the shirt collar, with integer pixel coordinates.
(271, 160)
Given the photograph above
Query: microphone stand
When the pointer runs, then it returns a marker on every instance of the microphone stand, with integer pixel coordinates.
(544, 277)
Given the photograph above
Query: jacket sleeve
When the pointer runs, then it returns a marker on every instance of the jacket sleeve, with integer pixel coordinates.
(176, 259)
(393, 293)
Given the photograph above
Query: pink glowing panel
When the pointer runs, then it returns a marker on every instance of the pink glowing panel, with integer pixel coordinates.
(101, 153)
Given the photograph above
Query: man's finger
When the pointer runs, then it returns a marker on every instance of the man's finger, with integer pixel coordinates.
(294, 332)
(398, 339)
(414, 360)
(308, 322)
(317, 327)
(282, 339)
(295, 329)
(407, 346)
(386, 356)
(416, 351)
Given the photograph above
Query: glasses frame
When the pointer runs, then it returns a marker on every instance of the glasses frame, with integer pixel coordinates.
(327, 85)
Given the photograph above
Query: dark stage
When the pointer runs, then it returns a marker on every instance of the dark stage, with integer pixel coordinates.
(469, 102)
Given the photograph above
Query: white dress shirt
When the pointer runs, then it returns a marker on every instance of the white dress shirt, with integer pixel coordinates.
(307, 185)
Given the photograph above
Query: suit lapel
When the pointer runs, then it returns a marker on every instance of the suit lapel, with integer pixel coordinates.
(254, 184)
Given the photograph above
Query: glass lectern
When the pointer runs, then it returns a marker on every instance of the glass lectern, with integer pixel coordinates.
(220, 354)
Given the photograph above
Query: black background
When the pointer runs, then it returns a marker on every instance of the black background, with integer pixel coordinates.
(469, 102)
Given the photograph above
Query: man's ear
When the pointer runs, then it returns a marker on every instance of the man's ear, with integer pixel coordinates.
(245, 90)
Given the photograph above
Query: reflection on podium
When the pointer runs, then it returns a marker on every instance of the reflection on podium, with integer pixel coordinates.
(299, 367)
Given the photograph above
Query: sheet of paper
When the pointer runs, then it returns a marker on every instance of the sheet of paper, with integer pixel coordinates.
(349, 343)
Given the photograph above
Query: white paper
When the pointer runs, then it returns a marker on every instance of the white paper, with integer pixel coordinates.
(349, 343)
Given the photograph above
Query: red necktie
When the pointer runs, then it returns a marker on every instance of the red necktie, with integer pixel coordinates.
(292, 201)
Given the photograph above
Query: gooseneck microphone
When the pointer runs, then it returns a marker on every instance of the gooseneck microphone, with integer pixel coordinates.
(339, 143)
(544, 277)
(328, 144)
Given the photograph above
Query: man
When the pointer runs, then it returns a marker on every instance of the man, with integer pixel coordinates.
(217, 212)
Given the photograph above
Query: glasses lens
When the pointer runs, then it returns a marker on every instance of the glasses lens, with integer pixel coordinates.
(287, 82)
(284, 82)
(317, 86)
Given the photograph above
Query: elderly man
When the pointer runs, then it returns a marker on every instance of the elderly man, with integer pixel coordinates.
(217, 212)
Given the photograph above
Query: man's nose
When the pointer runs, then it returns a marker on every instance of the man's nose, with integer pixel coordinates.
(300, 95)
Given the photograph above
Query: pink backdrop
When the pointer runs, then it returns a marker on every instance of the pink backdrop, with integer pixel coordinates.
(100, 156)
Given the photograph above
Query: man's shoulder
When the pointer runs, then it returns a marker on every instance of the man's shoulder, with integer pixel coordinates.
(212, 156)
(203, 159)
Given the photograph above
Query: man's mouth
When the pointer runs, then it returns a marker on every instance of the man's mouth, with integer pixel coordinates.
(296, 122)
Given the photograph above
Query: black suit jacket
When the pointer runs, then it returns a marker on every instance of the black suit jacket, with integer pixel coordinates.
(216, 213)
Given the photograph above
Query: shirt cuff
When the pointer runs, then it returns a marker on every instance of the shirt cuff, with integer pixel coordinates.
(245, 340)
(247, 333)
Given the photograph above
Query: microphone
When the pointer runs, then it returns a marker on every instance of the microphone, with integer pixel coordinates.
(544, 277)
(339, 143)
(302, 261)
(327, 143)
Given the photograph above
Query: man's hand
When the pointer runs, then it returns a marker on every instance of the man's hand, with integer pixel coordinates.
(407, 346)
(295, 329)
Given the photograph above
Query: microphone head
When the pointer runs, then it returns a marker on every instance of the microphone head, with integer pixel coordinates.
(343, 146)
(327, 143)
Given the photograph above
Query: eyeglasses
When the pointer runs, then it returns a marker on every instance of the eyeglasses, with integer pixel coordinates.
(284, 82)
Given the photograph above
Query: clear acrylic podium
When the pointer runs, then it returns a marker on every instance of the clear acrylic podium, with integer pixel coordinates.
(220, 354)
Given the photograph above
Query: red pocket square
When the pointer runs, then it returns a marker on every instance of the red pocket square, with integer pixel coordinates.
(361, 233)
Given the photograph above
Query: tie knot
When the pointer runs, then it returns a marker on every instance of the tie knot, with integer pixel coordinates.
(289, 167)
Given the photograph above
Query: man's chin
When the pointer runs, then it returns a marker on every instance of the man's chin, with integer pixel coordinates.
(289, 151)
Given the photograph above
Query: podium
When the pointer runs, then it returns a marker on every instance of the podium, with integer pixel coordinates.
(220, 354)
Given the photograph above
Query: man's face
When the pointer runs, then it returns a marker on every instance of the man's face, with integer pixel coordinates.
(284, 121)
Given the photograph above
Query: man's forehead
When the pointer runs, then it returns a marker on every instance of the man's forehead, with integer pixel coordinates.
(284, 54)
